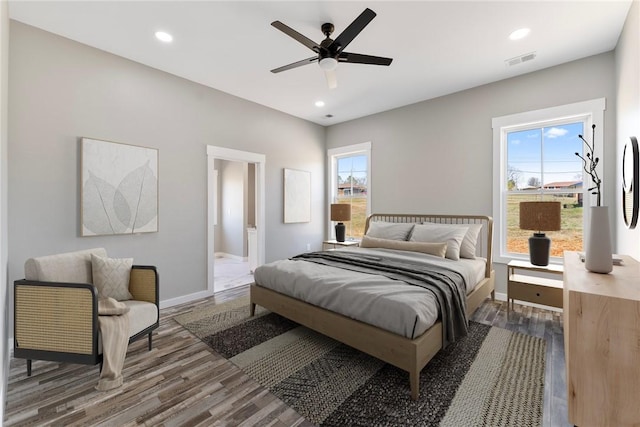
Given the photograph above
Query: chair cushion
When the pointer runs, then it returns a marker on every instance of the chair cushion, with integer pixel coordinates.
(141, 314)
(111, 276)
(71, 267)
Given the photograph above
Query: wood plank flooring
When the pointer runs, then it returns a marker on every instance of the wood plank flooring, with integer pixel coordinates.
(182, 382)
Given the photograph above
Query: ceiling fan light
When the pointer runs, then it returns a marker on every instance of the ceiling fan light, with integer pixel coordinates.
(328, 64)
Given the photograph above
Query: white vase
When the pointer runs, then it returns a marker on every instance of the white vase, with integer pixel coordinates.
(598, 255)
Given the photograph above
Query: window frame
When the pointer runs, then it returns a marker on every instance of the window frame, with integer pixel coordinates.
(333, 154)
(590, 112)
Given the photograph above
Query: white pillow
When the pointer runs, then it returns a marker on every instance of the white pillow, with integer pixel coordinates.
(389, 230)
(468, 247)
(433, 233)
(111, 277)
(437, 249)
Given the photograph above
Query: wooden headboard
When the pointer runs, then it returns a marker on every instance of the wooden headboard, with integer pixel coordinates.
(483, 247)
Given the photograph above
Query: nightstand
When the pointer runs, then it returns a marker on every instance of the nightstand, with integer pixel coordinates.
(525, 287)
(335, 243)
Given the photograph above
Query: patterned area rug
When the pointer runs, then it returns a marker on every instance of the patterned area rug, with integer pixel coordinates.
(492, 377)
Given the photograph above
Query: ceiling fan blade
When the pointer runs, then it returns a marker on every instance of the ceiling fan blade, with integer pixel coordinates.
(353, 29)
(358, 58)
(295, 64)
(297, 36)
(332, 81)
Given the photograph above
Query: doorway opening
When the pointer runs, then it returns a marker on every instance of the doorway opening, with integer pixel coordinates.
(235, 216)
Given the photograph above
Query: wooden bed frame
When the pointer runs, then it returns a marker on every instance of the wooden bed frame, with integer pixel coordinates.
(410, 355)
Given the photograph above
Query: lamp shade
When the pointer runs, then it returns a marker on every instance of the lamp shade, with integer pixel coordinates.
(340, 212)
(540, 216)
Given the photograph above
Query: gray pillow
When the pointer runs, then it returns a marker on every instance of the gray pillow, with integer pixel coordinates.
(434, 233)
(111, 277)
(389, 230)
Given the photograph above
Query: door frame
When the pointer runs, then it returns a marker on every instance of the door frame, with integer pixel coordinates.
(259, 160)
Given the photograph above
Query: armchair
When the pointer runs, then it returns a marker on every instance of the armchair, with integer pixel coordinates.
(56, 308)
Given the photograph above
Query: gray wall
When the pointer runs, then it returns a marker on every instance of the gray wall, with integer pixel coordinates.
(232, 219)
(440, 150)
(4, 289)
(628, 117)
(60, 90)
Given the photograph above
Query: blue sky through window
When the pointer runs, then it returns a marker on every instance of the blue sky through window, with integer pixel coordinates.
(355, 166)
(545, 155)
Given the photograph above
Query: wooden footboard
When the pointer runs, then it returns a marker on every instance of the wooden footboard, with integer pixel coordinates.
(406, 354)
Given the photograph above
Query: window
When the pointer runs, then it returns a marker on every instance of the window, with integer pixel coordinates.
(349, 183)
(535, 152)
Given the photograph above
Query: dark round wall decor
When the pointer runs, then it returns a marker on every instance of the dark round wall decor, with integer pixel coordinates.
(630, 183)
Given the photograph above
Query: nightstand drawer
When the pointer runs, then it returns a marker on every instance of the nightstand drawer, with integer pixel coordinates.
(549, 293)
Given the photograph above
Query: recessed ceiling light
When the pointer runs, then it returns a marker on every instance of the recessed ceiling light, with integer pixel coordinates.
(519, 34)
(164, 37)
(319, 104)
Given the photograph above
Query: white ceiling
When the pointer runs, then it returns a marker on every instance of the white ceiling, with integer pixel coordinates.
(438, 47)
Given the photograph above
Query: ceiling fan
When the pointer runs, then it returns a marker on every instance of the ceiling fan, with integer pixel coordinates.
(330, 52)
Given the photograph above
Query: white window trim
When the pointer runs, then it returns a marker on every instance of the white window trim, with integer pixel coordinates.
(332, 153)
(593, 110)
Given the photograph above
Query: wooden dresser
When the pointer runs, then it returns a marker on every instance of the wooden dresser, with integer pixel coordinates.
(602, 343)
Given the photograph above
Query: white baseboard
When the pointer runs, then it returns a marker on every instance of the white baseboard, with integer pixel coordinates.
(503, 297)
(185, 298)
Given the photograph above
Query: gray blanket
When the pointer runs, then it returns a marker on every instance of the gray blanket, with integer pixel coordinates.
(447, 286)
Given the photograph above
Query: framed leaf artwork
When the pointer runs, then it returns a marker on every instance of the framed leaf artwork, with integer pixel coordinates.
(119, 191)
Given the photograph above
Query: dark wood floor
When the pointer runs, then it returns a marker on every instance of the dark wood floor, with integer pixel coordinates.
(182, 382)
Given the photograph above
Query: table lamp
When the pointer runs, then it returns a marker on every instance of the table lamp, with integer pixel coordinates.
(539, 217)
(340, 212)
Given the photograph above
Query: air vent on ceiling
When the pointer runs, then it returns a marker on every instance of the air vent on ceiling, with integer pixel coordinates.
(520, 59)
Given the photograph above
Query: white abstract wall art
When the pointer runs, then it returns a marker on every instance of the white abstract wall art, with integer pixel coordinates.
(297, 196)
(119, 188)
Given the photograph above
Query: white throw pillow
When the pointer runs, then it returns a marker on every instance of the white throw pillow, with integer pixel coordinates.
(389, 230)
(111, 276)
(468, 247)
(434, 233)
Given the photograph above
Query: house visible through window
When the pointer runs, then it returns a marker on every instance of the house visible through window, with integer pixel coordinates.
(542, 165)
(349, 183)
(535, 159)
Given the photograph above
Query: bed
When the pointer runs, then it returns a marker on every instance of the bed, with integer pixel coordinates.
(403, 350)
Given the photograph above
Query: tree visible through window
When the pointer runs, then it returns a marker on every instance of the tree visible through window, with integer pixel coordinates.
(542, 165)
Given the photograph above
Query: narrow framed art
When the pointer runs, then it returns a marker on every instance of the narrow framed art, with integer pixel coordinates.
(297, 196)
(119, 191)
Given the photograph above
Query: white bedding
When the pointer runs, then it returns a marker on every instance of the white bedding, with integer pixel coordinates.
(389, 304)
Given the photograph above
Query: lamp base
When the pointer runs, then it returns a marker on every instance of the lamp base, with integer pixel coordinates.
(340, 232)
(539, 246)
